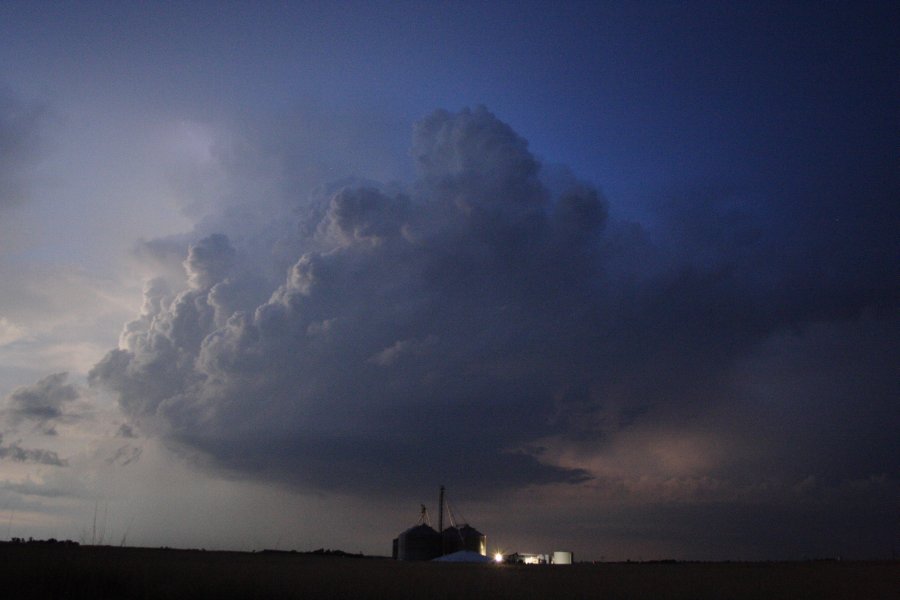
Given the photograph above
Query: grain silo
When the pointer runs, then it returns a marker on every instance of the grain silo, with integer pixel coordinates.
(422, 542)
(419, 543)
(465, 537)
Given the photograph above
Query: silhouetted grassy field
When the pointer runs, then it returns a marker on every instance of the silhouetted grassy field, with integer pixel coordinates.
(60, 571)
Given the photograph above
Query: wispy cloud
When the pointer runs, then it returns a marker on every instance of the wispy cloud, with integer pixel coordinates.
(17, 453)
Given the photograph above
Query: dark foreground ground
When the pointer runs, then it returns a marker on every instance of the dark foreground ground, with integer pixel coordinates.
(61, 571)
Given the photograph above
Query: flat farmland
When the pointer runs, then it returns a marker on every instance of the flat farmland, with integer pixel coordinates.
(71, 571)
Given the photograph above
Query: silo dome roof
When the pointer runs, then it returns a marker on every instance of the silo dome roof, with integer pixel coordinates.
(463, 529)
(420, 530)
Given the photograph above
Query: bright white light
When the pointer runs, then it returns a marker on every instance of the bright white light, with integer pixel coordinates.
(498, 558)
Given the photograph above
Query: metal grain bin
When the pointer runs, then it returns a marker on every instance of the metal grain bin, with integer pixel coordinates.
(464, 538)
(419, 543)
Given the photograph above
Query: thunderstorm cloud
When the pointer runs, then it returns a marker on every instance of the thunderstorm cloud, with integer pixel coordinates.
(257, 292)
(479, 326)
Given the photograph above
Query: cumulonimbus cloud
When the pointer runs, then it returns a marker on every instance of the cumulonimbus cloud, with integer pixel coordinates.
(443, 328)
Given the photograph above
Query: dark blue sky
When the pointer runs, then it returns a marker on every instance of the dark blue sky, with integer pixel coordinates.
(635, 265)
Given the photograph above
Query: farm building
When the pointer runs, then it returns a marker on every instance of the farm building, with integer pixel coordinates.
(422, 542)
(418, 543)
(558, 557)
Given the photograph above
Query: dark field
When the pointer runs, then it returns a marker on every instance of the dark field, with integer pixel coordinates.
(60, 571)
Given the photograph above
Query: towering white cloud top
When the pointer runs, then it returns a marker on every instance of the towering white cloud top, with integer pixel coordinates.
(449, 312)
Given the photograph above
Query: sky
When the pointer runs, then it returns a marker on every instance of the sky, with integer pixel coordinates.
(622, 276)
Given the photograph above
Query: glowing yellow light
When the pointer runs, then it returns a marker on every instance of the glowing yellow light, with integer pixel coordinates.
(498, 558)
